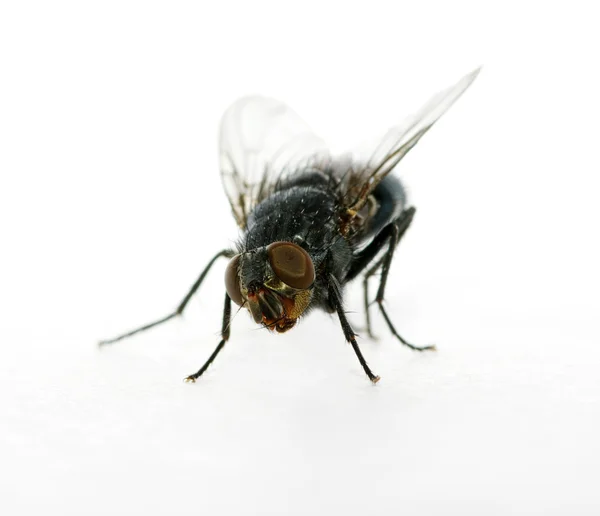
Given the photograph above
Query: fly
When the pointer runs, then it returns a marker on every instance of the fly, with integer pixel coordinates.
(310, 222)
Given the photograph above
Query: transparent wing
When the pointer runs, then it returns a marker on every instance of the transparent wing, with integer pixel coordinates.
(261, 141)
(397, 142)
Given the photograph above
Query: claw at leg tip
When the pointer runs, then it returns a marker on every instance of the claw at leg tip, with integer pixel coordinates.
(189, 379)
(375, 379)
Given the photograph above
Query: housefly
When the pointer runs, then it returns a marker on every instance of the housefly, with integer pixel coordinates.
(310, 221)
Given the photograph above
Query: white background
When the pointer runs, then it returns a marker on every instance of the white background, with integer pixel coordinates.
(111, 204)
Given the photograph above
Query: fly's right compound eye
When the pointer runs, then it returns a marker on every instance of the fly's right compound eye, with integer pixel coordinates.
(291, 264)
(232, 281)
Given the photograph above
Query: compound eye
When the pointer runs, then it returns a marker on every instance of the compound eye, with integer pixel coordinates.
(291, 264)
(232, 281)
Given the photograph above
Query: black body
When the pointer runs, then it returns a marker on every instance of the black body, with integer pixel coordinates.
(305, 209)
(302, 210)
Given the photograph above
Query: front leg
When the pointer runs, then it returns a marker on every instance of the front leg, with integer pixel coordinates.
(225, 253)
(335, 299)
(225, 332)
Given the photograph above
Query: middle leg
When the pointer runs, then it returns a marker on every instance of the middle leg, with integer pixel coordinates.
(397, 230)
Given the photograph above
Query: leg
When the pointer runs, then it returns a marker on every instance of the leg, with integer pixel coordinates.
(224, 338)
(397, 230)
(384, 238)
(227, 253)
(368, 274)
(368, 254)
(336, 302)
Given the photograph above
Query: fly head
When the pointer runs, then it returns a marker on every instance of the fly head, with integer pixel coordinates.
(274, 282)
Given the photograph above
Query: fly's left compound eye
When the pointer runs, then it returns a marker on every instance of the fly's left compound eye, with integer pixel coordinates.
(291, 264)
(232, 281)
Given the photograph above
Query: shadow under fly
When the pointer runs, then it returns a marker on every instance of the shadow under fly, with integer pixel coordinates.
(311, 222)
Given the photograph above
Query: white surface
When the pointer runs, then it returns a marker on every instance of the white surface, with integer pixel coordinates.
(110, 205)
